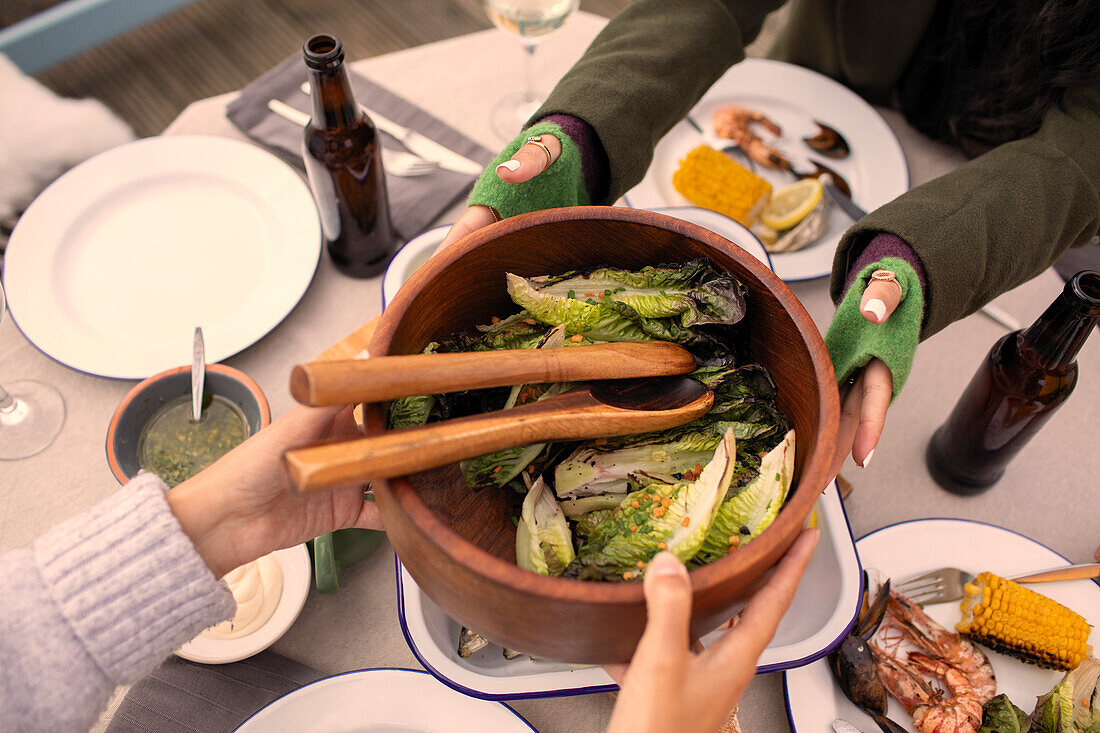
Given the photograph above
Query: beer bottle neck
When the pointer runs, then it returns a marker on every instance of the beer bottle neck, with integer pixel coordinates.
(334, 106)
(1054, 340)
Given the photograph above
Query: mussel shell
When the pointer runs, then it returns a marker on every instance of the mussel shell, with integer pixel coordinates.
(853, 665)
(470, 642)
(828, 142)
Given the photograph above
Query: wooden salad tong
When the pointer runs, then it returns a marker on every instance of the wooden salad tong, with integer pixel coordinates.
(347, 381)
(617, 404)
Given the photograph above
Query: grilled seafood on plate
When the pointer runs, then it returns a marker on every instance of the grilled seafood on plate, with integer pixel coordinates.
(942, 678)
(735, 123)
(932, 712)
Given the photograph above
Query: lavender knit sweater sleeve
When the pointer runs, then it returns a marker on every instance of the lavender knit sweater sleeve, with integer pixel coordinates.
(99, 602)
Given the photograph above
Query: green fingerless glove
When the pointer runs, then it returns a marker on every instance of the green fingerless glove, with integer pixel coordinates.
(562, 184)
(852, 340)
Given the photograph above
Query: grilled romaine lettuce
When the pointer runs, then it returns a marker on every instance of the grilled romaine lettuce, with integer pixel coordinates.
(749, 511)
(667, 303)
(543, 542)
(673, 517)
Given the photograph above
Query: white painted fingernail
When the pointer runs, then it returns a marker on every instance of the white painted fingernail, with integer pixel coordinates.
(867, 460)
(876, 308)
(511, 165)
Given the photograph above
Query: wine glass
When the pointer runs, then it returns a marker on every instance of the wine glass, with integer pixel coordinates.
(530, 20)
(31, 413)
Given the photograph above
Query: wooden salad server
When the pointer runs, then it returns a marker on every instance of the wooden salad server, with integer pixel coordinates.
(382, 378)
(594, 410)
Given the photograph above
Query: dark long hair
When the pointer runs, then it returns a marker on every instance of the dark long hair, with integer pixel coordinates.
(988, 70)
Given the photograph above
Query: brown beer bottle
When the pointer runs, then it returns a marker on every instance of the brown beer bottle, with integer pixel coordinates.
(343, 160)
(1025, 377)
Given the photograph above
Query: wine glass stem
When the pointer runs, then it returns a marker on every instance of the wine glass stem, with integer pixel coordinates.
(529, 97)
(7, 402)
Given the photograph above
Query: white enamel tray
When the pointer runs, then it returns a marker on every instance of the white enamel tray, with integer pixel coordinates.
(820, 616)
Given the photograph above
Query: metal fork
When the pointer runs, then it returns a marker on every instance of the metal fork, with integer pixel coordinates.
(946, 584)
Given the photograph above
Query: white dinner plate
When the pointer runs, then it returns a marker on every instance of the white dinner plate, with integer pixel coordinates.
(297, 575)
(793, 97)
(814, 699)
(113, 266)
(383, 701)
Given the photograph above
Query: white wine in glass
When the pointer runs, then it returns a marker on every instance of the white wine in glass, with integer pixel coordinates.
(530, 20)
(31, 414)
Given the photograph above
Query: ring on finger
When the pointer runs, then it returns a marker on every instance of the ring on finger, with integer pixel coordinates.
(887, 276)
(537, 140)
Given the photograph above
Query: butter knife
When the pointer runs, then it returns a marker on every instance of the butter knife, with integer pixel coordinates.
(423, 146)
(843, 726)
(849, 207)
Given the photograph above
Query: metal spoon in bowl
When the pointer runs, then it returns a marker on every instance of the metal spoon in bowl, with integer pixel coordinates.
(198, 375)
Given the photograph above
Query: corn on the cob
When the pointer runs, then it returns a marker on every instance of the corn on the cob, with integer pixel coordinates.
(715, 181)
(1012, 619)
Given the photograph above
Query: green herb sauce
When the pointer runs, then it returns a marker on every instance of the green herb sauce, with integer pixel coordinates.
(175, 447)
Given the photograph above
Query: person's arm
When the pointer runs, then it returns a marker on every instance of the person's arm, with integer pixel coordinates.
(641, 75)
(99, 602)
(669, 687)
(645, 71)
(107, 595)
(1000, 219)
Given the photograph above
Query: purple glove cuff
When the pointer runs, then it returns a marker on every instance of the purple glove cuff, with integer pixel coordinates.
(885, 245)
(594, 163)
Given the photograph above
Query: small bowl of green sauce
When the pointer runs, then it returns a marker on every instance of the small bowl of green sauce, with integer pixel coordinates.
(152, 429)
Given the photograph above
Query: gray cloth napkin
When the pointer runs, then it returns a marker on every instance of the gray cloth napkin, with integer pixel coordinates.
(198, 698)
(415, 202)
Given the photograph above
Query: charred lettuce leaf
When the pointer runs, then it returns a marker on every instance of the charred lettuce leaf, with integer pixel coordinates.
(661, 516)
(999, 715)
(752, 509)
(544, 544)
(1072, 706)
(744, 402)
(676, 303)
(497, 469)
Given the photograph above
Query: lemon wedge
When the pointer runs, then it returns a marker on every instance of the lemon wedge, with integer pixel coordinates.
(790, 204)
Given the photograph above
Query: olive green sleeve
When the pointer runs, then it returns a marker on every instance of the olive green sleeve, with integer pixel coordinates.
(647, 69)
(1000, 219)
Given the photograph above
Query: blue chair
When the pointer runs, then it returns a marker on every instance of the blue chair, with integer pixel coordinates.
(53, 35)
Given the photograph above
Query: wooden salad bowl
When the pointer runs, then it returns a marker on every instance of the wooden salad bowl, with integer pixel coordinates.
(459, 544)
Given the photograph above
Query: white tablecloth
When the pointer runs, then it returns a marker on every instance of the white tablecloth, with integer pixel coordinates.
(1050, 491)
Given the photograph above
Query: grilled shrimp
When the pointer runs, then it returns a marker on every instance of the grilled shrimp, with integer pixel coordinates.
(916, 627)
(735, 123)
(932, 712)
